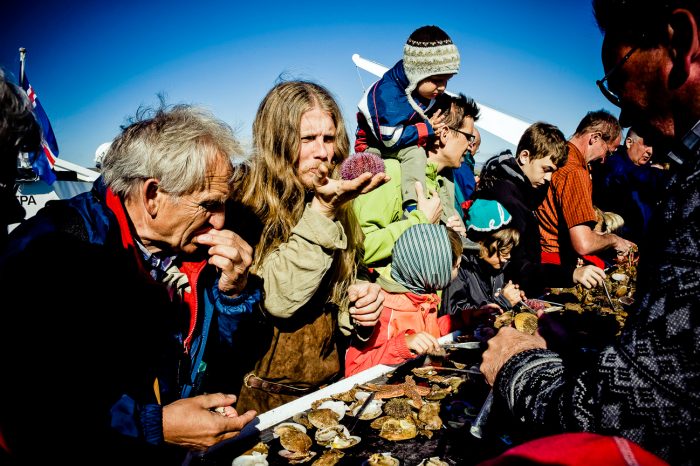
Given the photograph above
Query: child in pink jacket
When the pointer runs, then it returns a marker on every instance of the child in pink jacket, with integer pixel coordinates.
(425, 259)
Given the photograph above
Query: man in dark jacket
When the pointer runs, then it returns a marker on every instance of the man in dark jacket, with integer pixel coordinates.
(625, 183)
(114, 302)
(645, 386)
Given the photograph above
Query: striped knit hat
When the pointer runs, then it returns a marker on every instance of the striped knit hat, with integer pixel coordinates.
(422, 259)
(428, 51)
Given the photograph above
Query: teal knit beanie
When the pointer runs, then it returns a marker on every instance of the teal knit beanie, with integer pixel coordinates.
(486, 215)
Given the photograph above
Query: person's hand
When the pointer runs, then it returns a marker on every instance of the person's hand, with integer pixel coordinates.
(232, 256)
(507, 343)
(422, 343)
(432, 208)
(330, 194)
(472, 315)
(193, 423)
(365, 303)
(589, 276)
(456, 224)
(511, 291)
(623, 246)
(437, 121)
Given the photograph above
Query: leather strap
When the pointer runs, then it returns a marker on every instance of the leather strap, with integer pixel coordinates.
(253, 381)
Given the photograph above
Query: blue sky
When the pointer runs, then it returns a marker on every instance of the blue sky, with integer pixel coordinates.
(93, 64)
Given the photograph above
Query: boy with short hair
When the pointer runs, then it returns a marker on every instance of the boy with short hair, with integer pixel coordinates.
(393, 120)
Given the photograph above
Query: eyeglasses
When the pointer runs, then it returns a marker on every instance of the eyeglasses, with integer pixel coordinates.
(614, 99)
(470, 137)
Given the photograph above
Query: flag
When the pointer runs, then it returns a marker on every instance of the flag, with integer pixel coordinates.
(42, 162)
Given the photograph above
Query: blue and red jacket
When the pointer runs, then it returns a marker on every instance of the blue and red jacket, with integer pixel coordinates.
(96, 337)
(386, 120)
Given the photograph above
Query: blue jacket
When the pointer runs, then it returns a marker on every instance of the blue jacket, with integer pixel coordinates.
(386, 120)
(93, 333)
(629, 190)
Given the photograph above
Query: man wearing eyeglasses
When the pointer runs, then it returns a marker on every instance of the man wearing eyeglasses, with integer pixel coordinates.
(380, 212)
(566, 216)
(644, 387)
(629, 185)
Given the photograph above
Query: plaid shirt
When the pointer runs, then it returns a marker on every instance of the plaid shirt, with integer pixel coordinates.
(569, 202)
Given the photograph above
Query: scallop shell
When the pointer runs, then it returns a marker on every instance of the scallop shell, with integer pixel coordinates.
(281, 427)
(323, 417)
(295, 457)
(325, 435)
(329, 458)
(372, 411)
(336, 406)
(526, 322)
(433, 461)
(254, 459)
(381, 459)
(619, 277)
(398, 429)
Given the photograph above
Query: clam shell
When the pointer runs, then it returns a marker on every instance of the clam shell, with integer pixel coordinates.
(325, 435)
(619, 277)
(373, 410)
(336, 406)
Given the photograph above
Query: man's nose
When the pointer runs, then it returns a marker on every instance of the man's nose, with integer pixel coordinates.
(217, 219)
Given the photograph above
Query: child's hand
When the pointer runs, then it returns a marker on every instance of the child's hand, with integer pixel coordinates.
(512, 293)
(421, 343)
(432, 208)
(437, 121)
(455, 224)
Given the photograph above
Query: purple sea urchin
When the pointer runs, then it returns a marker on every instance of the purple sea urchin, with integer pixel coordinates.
(360, 163)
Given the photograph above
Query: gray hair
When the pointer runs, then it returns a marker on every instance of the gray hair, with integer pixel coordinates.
(176, 145)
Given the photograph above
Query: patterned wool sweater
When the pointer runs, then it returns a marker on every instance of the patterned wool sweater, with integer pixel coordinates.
(646, 386)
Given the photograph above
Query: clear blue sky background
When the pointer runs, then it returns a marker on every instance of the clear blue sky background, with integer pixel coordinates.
(93, 64)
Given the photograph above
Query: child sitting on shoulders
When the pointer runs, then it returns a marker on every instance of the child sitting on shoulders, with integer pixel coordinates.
(480, 284)
(392, 118)
(425, 259)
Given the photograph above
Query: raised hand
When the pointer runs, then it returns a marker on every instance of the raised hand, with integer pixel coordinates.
(331, 194)
(232, 256)
(432, 208)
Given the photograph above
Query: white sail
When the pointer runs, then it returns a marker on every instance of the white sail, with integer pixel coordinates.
(506, 127)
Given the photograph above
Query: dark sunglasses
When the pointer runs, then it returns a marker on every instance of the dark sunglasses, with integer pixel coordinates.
(470, 137)
(602, 83)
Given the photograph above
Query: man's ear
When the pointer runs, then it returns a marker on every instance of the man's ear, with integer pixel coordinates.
(628, 143)
(523, 157)
(150, 196)
(684, 49)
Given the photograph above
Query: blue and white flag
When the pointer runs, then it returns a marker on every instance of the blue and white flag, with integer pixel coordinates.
(42, 162)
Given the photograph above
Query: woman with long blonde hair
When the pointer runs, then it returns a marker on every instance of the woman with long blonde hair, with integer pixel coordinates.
(309, 245)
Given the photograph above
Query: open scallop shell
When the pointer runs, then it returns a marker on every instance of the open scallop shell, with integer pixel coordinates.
(254, 459)
(279, 428)
(381, 459)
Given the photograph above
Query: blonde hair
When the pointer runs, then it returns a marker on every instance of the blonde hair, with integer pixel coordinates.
(272, 188)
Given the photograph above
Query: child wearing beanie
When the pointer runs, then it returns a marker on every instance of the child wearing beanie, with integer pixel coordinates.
(393, 113)
(425, 259)
(480, 283)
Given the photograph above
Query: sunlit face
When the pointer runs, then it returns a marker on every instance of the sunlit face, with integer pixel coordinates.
(641, 85)
(538, 171)
(496, 260)
(638, 152)
(180, 219)
(599, 148)
(317, 144)
(455, 143)
(433, 86)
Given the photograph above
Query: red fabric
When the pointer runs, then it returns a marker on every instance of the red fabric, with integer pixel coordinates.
(577, 449)
(554, 258)
(422, 134)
